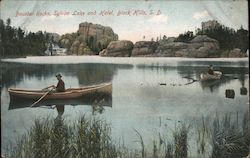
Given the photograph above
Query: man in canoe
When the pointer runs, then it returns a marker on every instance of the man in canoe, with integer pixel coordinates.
(210, 70)
(60, 87)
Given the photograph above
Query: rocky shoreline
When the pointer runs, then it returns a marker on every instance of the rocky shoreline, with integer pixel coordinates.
(201, 46)
(95, 39)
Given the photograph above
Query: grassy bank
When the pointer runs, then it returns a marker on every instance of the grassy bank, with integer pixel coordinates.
(220, 137)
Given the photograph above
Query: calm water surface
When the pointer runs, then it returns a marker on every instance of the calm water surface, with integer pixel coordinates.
(139, 101)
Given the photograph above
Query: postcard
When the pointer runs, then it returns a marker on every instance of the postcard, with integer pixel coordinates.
(124, 79)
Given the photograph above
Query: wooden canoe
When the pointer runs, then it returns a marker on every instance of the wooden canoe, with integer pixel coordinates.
(70, 93)
(206, 77)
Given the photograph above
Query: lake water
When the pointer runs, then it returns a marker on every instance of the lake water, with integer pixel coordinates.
(150, 95)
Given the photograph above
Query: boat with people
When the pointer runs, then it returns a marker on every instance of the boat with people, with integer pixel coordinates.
(207, 77)
(49, 94)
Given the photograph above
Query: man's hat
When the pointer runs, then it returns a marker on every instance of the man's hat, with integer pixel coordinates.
(58, 75)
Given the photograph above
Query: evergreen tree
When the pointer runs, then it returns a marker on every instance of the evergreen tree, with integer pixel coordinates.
(15, 42)
(186, 37)
(242, 39)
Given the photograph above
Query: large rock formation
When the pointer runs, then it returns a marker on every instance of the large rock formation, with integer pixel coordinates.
(203, 46)
(200, 47)
(121, 48)
(168, 48)
(89, 39)
(144, 48)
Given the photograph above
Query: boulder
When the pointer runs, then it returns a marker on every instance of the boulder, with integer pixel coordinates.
(172, 49)
(164, 52)
(195, 45)
(202, 38)
(201, 53)
(74, 47)
(243, 91)
(103, 52)
(229, 93)
(171, 39)
(173, 45)
(236, 53)
(182, 53)
(203, 46)
(83, 49)
(65, 43)
(121, 48)
(167, 40)
(142, 48)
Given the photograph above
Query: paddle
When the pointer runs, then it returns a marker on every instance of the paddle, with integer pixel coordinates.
(48, 87)
(48, 107)
(41, 97)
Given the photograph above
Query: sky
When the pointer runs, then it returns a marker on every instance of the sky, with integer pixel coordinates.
(169, 17)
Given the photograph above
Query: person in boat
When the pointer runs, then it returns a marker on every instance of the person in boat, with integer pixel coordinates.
(210, 70)
(60, 87)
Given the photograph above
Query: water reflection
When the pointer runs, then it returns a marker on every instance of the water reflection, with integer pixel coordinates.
(192, 73)
(59, 132)
(214, 85)
(100, 99)
(206, 63)
(138, 99)
(87, 74)
(60, 110)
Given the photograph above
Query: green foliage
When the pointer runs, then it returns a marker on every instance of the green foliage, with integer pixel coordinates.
(242, 39)
(228, 38)
(180, 139)
(228, 140)
(186, 37)
(17, 42)
(54, 138)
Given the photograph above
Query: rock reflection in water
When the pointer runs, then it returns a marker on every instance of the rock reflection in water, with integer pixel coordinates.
(87, 74)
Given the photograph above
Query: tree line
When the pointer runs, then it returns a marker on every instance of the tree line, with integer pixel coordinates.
(18, 42)
(228, 38)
